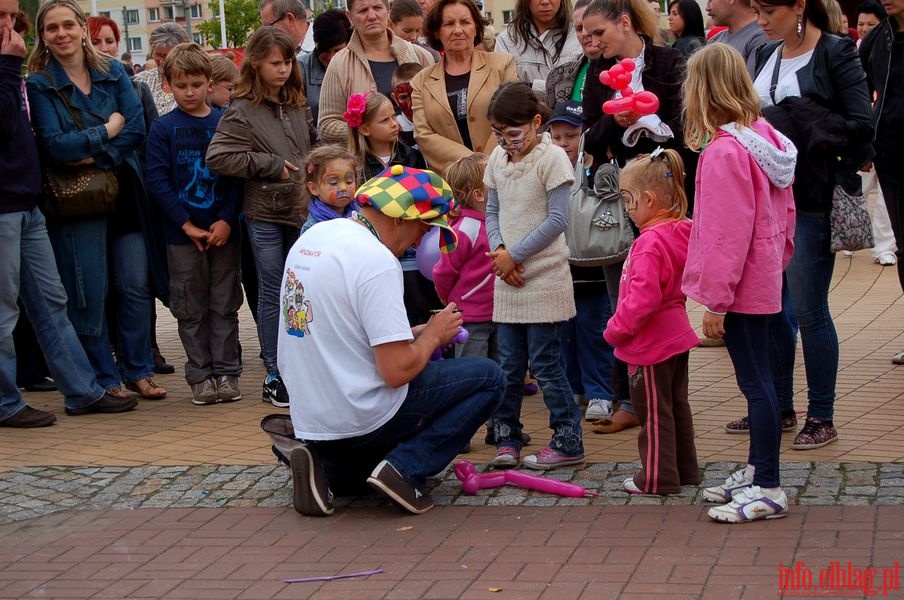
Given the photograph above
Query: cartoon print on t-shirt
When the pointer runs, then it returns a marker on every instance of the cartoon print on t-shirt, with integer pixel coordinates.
(296, 309)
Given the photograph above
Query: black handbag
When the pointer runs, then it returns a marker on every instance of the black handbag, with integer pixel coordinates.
(74, 191)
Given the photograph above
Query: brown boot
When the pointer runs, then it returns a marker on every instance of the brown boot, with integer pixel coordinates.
(29, 417)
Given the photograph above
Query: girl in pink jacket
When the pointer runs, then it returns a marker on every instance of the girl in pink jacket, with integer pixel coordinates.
(741, 241)
(650, 329)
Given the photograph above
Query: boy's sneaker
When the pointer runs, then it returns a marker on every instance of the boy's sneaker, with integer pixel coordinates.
(389, 482)
(597, 409)
(204, 392)
(311, 493)
(228, 388)
(751, 504)
(547, 458)
(506, 458)
(274, 392)
(735, 482)
(742, 425)
(815, 434)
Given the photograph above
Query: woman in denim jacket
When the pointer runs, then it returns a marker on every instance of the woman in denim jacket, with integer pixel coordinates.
(64, 64)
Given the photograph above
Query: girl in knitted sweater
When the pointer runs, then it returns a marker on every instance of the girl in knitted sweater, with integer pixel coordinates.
(529, 181)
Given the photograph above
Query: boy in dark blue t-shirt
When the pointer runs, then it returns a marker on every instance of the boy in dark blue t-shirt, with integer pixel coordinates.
(202, 246)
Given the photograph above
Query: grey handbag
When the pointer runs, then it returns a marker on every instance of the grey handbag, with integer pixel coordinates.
(599, 230)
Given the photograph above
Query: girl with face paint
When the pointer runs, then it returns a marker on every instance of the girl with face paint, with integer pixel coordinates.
(330, 180)
(528, 181)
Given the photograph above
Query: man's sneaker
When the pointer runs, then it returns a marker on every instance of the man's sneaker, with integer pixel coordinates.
(29, 417)
(735, 482)
(547, 458)
(506, 458)
(204, 392)
(815, 434)
(742, 425)
(597, 409)
(389, 482)
(228, 388)
(751, 504)
(275, 392)
(311, 493)
(105, 404)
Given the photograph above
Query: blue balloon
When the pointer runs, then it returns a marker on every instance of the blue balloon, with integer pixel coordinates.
(428, 253)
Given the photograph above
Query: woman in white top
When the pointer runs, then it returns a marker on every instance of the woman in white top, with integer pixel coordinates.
(539, 36)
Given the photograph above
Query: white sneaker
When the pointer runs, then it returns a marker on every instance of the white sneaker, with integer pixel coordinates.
(751, 504)
(887, 260)
(847, 253)
(735, 482)
(598, 409)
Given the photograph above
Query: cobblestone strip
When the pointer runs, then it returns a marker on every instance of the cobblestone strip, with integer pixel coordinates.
(27, 492)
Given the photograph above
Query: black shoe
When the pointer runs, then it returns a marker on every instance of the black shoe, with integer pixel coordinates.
(44, 384)
(161, 367)
(274, 391)
(29, 417)
(106, 404)
(389, 482)
(490, 438)
(311, 493)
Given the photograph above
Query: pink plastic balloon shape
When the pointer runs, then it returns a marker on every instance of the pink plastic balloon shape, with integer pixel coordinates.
(472, 481)
(618, 77)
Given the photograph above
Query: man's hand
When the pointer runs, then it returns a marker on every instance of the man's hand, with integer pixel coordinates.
(713, 325)
(219, 233)
(11, 43)
(443, 325)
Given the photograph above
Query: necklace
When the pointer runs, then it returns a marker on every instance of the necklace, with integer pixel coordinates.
(370, 226)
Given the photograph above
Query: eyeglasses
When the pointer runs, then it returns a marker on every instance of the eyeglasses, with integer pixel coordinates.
(272, 23)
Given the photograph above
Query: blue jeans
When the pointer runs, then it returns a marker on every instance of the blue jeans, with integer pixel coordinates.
(748, 339)
(540, 343)
(809, 276)
(588, 358)
(446, 404)
(132, 282)
(28, 270)
(620, 386)
(270, 243)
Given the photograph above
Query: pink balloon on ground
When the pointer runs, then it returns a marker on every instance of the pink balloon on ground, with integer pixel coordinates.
(472, 481)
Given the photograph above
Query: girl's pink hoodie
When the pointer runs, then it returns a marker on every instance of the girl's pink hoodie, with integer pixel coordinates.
(743, 233)
(466, 275)
(651, 323)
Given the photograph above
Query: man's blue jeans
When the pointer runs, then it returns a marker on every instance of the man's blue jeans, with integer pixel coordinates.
(808, 277)
(588, 357)
(446, 404)
(270, 243)
(541, 343)
(28, 269)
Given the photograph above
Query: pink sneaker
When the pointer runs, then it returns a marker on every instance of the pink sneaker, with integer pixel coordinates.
(506, 458)
(547, 458)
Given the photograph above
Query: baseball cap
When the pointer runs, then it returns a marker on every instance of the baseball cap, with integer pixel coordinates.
(567, 111)
(408, 193)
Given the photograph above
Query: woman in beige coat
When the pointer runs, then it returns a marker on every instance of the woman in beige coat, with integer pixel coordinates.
(449, 99)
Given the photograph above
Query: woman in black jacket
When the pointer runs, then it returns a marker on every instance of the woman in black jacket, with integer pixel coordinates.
(627, 29)
(806, 72)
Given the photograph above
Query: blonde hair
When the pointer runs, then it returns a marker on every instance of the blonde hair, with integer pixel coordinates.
(250, 84)
(317, 160)
(40, 55)
(836, 24)
(223, 69)
(663, 175)
(718, 90)
(357, 141)
(186, 59)
(466, 175)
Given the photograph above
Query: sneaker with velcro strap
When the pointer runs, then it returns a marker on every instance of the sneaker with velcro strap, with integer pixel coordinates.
(751, 504)
(735, 482)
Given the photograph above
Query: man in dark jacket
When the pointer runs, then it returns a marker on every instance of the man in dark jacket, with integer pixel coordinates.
(27, 266)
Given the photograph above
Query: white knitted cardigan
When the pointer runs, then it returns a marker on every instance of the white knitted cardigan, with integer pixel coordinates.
(523, 190)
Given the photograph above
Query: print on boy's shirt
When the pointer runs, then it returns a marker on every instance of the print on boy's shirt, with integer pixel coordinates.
(296, 309)
(197, 185)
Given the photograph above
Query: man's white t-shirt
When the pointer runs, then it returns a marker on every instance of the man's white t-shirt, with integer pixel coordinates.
(341, 295)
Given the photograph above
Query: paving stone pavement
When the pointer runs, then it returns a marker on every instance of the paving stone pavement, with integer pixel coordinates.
(27, 492)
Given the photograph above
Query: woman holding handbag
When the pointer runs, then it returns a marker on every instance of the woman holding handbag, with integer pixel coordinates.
(86, 116)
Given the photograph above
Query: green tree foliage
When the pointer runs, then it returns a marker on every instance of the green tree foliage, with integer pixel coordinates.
(242, 19)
